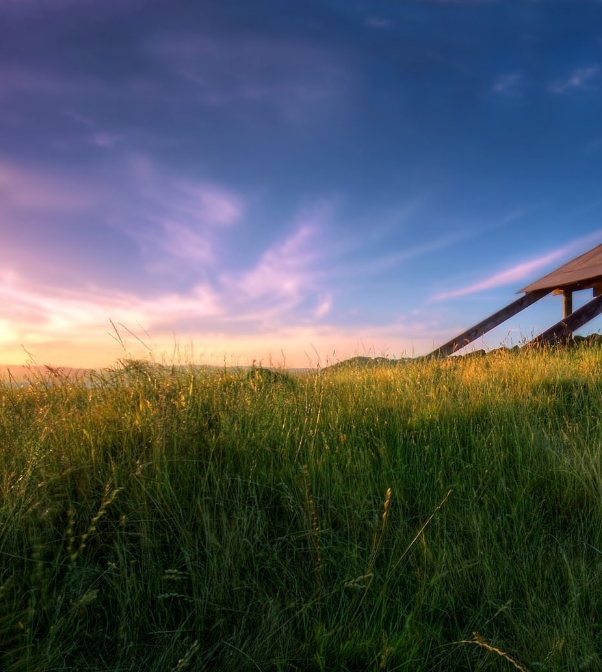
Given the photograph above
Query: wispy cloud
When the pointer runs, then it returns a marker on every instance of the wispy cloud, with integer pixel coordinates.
(26, 190)
(291, 272)
(176, 222)
(411, 252)
(81, 119)
(60, 326)
(521, 272)
(21, 79)
(581, 78)
(72, 328)
(191, 215)
(105, 140)
(43, 81)
(412, 215)
(324, 307)
(508, 277)
(45, 312)
(377, 22)
(507, 84)
(284, 272)
(290, 76)
(185, 243)
(210, 204)
(97, 136)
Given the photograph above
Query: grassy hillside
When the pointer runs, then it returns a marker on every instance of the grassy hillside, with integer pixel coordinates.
(355, 519)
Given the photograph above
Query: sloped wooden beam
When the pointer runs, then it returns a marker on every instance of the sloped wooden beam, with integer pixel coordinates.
(574, 321)
(489, 323)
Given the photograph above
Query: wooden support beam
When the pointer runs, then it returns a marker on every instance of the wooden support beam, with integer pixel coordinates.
(489, 323)
(564, 328)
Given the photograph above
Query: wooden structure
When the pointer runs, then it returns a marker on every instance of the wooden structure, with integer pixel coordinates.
(584, 272)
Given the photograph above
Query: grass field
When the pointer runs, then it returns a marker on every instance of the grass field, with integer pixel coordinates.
(442, 515)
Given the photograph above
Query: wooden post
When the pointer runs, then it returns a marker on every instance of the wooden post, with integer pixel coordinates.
(567, 303)
(486, 325)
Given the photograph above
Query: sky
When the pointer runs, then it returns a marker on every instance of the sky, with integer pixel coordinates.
(289, 182)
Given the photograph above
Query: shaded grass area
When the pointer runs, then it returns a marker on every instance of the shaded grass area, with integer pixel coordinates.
(357, 519)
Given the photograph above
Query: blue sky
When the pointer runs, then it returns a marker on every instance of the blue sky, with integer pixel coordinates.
(286, 180)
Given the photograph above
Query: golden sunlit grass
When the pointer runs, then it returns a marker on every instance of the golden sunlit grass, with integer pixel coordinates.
(171, 518)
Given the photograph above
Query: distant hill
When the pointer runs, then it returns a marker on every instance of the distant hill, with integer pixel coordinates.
(27, 374)
(592, 340)
(367, 363)
(22, 374)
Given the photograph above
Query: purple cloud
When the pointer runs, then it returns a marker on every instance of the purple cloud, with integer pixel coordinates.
(26, 191)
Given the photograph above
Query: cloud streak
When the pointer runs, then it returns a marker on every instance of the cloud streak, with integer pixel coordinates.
(507, 84)
(25, 190)
(284, 270)
(580, 78)
(520, 272)
(290, 76)
(377, 22)
(283, 288)
(177, 223)
(71, 327)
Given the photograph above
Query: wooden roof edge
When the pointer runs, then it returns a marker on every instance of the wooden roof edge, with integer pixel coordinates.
(574, 285)
(542, 284)
(577, 285)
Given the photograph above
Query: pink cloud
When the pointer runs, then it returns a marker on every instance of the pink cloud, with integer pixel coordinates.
(211, 204)
(284, 272)
(40, 313)
(324, 307)
(183, 242)
(521, 272)
(194, 212)
(177, 221)
(71, 327)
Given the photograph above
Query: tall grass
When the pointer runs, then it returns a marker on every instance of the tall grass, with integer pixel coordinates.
(379, 518)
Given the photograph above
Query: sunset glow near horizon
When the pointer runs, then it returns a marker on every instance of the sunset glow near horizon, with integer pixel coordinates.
(236, 181)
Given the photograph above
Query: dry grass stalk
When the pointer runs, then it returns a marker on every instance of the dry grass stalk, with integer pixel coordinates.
(70, 537)
(420, 531)
(369, 575)
(183, 663)
(101, 512)
(382, 529)
(480, 641)
(385, 657)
